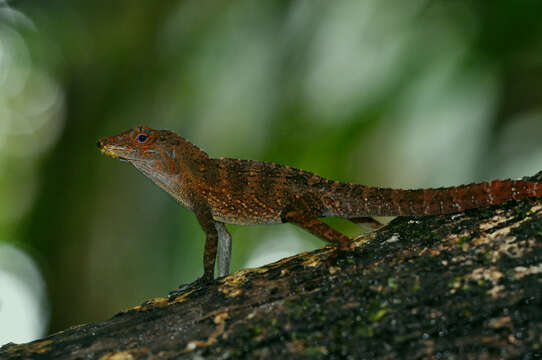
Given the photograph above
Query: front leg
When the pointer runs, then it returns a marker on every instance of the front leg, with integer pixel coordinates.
(205, 219)
(224, 249)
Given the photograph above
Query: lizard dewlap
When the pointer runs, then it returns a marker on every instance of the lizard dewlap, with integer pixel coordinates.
(245, 192)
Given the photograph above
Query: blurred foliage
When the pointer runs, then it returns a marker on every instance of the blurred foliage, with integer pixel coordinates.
(406, 94)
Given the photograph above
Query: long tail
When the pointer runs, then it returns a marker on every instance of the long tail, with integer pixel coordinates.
(352, 200)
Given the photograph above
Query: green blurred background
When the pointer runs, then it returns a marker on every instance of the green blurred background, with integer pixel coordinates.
(409, 94)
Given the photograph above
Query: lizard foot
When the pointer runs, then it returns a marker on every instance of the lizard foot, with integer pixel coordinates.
(339, 255)
(198, 284)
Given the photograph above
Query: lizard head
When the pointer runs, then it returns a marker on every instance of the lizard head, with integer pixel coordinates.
(137, 144)
(151, 151)
(158, 154)
(142, 144)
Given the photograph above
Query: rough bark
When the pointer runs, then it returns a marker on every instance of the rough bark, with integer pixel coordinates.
(467, 285)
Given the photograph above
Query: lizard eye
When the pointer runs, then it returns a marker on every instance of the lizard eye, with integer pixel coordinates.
(142, 138)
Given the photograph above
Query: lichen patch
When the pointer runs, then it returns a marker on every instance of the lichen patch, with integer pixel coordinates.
(522, 271)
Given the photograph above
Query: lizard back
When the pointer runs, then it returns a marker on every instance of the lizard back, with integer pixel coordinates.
(256, 192)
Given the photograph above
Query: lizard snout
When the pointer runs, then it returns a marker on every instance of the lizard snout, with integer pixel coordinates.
(102, 145)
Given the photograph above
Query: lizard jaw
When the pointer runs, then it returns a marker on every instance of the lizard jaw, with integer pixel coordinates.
(109, 153)
(116, 156)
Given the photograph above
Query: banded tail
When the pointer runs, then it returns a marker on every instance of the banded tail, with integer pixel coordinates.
(352, 200)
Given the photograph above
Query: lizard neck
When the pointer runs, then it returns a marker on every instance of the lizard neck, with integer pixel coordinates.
(175, 167)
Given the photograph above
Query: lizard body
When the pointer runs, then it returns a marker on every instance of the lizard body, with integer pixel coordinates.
(246, 192)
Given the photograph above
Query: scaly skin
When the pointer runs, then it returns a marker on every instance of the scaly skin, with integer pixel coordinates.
(245, 192)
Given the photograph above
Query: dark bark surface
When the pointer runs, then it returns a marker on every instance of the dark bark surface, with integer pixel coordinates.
(458, 286)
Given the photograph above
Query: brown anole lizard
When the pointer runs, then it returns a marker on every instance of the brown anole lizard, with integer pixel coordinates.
(245, 192)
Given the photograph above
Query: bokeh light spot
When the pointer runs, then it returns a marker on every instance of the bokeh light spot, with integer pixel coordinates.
(23, 308)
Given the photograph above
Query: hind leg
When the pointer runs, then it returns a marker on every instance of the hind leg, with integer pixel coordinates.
(319, 228)
(305, 210)
(367, 222)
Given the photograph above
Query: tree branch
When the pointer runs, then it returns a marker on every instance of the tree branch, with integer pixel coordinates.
(467, 285)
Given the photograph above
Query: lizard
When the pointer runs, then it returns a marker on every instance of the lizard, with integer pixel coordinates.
(247, 192)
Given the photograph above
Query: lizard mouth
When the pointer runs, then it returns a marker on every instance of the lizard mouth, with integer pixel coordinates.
(110, 151)
(116, 156)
